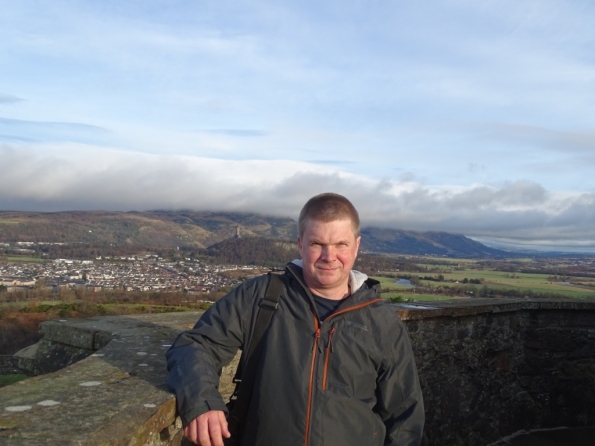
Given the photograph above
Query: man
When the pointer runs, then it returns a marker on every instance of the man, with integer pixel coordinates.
(337, 366)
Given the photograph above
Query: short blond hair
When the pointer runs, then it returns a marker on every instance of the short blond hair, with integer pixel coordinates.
(328, 207)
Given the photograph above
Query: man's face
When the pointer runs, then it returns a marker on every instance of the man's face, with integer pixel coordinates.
(328, 253)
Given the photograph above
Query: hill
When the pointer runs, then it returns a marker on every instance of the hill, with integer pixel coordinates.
(153, 228)
(216, 231)
(425, 243)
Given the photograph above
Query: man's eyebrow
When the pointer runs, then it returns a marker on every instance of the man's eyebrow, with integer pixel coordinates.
(338, 242)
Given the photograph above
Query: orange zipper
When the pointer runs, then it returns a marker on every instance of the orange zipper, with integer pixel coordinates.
(312, 366)
(311, 386)
(329, 348)
(365, 304)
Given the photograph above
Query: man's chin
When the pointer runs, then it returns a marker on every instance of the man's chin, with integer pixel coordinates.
(327, 280)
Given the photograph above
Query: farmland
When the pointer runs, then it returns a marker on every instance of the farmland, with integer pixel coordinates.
(432, 278)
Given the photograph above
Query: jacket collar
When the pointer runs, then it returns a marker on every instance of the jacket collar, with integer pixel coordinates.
(368, 290)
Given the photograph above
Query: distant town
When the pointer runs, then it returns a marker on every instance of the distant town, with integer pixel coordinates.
(147, 272)
(36, 269)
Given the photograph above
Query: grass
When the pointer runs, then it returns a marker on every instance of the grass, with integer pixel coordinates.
(405, 292)
(419, 297)
(569, 291)
(87, 309)
(389, 282)
(6, 380)
(537, 283)
(423, 268)
(24, 259)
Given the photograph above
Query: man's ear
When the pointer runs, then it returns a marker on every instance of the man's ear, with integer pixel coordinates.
(358, 241)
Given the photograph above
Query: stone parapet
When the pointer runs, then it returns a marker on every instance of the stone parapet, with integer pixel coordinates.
(115, 396)
(488, 368)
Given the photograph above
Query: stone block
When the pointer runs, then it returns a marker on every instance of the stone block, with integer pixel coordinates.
(101, 339)
(68, 334)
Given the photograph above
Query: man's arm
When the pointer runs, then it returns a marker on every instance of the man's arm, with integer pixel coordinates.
(196, 357)
(400, 402)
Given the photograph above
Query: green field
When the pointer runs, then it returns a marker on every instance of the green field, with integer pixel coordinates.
(405, 292)
(538, 283)
(389, 282)
(23, 259)
(6, 380)
(581, 287)
(85, 309)
(419, 297)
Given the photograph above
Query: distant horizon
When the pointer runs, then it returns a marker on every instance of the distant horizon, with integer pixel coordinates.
(534, 248)
(496, 243)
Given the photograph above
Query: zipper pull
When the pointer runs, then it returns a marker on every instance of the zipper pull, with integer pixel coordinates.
(316, 339)
(330, 339)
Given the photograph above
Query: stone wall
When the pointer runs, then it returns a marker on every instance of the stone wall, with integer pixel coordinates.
(491, 370)
(488, 368)
(8, 365)
(114, 396)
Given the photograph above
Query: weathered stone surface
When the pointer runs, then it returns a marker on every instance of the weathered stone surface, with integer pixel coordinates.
(488, 368)
(8, 365)
(68, 334)
(128, 405)
(48, 356)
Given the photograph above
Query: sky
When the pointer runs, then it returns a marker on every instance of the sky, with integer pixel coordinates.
(476, 118)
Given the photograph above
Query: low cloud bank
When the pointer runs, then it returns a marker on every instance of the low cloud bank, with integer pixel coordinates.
(78, 177)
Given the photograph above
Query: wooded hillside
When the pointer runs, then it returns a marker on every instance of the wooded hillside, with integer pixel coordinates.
(164, 230)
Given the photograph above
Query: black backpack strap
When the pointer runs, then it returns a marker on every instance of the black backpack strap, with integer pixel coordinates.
(265, 313)
(246, 371)
(267, 307)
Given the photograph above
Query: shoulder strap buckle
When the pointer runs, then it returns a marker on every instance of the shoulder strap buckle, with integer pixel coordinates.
(269, 304)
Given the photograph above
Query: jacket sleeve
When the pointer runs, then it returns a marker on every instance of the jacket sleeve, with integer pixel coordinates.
(399, 398)
(195, 359)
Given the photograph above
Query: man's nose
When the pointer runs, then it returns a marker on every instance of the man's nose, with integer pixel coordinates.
(328, 253)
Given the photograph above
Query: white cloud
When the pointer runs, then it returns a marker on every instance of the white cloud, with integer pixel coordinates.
(82, 177)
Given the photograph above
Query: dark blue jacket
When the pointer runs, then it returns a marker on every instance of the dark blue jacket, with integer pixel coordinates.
(350, 380)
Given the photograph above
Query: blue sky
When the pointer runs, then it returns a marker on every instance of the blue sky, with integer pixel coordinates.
(469, 117)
